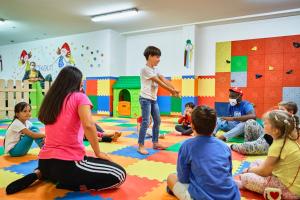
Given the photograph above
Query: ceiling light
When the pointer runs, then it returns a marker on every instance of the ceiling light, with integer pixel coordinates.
(114, 15)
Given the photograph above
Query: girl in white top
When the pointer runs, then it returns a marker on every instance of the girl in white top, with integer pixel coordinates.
(20, 133)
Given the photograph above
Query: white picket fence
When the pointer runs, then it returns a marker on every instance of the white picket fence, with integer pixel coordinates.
(13, 92)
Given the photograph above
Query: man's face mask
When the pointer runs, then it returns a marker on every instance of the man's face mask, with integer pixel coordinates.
(232, 102)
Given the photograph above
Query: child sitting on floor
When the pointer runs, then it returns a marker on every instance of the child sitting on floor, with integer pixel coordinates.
(204, 167)
(184, 122)
(149, 129)
(260, 145)
(105, 136)
(281, 168)
(20, 133)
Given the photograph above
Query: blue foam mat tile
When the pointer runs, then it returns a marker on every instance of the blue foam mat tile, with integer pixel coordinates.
(81, 196)
(244, 165)
(132, 152)
(23, 168)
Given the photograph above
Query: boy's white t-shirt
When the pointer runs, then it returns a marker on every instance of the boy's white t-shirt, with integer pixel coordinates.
(149, 88)
(13, 133)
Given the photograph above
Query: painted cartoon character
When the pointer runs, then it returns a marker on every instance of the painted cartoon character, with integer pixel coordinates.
(24, 60)
(188, 53)
(65, 57)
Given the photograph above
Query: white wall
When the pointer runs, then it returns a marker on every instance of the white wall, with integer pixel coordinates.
(90, 51)
(171, 44)
(208, 36)
(117, 55)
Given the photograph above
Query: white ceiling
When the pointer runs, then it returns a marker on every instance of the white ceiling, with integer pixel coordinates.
(29, 20)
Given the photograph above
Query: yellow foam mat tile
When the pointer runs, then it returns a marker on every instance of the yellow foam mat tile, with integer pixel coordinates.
(103, 88)
(254, 158)
(38, 191)
(123, 161)
(107, 147)
(188, 87)
(235, 165)
(223, 53)
(151, 170)
(7, 177)
(126, 141)
(158, 192)
(206, 87)
(34, 151)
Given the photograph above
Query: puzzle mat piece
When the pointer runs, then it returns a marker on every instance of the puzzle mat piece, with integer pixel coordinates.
(38, 191)
(246, 194)
(150, 169)
(133, 188)
(254, 158)
(81, 196)
(126, 141)
(23, 168)
(164, 156)
(123, 161)
(6, 161)
(239, 79)
(149, 143)
(6, 177)
(158, 192)
(132, 152)
(107, 147)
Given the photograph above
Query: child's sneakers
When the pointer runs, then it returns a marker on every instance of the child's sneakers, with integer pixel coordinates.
(272, 193)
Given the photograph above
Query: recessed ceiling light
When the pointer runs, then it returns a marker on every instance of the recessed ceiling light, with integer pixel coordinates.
(114, 15)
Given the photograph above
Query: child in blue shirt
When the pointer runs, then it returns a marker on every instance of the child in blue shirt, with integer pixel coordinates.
(204, 167)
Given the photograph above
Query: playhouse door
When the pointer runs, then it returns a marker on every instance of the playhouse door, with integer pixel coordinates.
(124, 108)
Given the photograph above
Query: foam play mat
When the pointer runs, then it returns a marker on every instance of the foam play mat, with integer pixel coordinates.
(146, 174)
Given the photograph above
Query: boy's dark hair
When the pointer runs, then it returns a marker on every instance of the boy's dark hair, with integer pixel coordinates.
(190, 105)
(68, 81)
(151, 50)
(204, 120)
(290, 106)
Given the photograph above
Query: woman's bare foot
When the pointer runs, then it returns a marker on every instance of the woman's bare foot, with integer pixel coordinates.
(116, 136)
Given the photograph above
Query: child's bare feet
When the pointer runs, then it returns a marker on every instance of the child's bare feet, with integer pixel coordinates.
(159, 146)
(142, 150)
(162, 136)
(116, 136)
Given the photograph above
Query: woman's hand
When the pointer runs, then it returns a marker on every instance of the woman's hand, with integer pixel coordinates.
(103, 156)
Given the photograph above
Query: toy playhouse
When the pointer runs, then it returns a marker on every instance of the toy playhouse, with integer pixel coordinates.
(126, 93)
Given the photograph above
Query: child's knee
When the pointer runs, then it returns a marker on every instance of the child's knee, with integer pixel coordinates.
(171, 180)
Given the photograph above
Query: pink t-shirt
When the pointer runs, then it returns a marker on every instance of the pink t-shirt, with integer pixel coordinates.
(64, 138)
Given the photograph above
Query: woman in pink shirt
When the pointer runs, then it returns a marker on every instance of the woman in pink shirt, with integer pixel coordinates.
(66, 113)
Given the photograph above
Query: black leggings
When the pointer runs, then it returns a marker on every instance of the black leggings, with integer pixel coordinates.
(185, 130)
(94, 173)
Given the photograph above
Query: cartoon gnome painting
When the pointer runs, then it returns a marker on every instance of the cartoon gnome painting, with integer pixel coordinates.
(65, 56)
(24, 60)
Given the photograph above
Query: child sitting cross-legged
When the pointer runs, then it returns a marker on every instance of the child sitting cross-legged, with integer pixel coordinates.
(184, 122)
(280, 170)
(204, 167)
